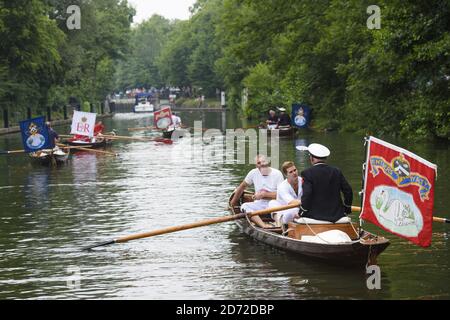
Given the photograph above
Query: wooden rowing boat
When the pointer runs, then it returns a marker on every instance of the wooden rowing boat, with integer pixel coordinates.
(282, 131)
(167, 134)
(362, 250)
(99, 143)
(50, 157)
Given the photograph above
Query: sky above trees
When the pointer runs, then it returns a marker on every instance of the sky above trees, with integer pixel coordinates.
(170, 9)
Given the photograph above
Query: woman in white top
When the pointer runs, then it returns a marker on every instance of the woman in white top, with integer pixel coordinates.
(288, 192)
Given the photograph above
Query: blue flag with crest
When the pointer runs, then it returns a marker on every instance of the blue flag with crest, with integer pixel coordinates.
(34, 134)
(301, 115)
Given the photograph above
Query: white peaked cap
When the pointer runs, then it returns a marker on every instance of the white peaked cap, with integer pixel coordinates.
(316, 150)
(282, 109)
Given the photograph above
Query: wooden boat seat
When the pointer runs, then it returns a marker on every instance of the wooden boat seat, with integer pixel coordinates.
(303, 220)
(297, 230)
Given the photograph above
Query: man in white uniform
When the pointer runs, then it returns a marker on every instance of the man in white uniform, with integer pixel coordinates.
(265, 180)
(288, 192)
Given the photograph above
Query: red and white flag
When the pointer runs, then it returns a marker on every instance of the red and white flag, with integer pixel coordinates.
(163, 118)
(83, 123)
(399, 191)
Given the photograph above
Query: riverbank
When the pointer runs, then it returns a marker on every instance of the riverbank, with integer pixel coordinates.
(16, 129)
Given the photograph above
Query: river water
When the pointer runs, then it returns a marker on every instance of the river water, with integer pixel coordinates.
(48, 214)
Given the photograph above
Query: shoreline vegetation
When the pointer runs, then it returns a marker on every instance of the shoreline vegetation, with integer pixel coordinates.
(391, 77)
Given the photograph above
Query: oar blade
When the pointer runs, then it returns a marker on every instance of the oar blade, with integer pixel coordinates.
(163, 140)
(100, 244)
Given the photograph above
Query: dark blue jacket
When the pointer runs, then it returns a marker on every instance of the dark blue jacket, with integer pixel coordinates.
(322, 187)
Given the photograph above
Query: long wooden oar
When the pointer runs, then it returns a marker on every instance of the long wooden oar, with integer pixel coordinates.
(163, 140)
(143, 128)
(87, 149)
(11, 151)
(189, 226)
(151, 128)
(435, 219)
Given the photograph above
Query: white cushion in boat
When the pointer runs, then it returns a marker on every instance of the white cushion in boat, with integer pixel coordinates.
(314, 221)
(330, 236)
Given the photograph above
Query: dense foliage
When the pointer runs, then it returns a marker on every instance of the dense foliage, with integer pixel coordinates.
(394, 79)
(43, 62)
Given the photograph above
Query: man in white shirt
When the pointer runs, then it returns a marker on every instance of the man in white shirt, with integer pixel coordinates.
(288, 192)
(265, 180)
(176, 120)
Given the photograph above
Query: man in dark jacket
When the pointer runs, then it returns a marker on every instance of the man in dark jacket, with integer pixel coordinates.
(284, 119)
(322, 187)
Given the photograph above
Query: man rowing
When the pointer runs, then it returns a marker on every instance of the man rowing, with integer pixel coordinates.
(265, 180)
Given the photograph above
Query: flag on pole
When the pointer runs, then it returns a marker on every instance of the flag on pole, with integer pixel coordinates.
(301, 115)
(399, 191)
(35, 134)
(163, 118)
(83, 123)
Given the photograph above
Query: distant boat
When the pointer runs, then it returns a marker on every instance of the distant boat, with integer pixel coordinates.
(50, 157)
(283, 131)
(143, 103)
(98, 143)
(144, 106)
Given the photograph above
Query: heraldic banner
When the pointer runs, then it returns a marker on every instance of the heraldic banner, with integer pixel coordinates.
(162, 118)
(399, 191)
(83, 123)
(301, 115)
(35, 134)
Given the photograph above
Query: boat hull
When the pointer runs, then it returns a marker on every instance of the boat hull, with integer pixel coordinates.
(94, 145)
(282, 132)
(49, 159)
(358, 253)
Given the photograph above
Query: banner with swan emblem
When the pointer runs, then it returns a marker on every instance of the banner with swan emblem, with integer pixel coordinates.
(399, 191)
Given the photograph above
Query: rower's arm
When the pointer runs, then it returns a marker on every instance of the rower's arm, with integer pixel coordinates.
(238, 193)
(269, 195)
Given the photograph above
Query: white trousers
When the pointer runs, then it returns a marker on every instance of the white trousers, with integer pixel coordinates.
(254, 206)
(284, 216)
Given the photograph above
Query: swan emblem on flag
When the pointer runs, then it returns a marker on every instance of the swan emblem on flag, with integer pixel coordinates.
(396, 211)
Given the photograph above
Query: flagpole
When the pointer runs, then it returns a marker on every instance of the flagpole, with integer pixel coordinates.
(364, 168)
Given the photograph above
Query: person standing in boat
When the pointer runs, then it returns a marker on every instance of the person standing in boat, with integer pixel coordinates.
(322, 188)
(98, 131)
(176, 121)
(288, 192)
(284, 119)
(98, 128)
(265, 180)
(52, 135)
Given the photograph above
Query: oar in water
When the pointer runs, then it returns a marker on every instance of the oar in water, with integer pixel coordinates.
(163, 140)
(11, 151)
(87, 149)
(143, 128)
(189, 226)
(435, 219)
